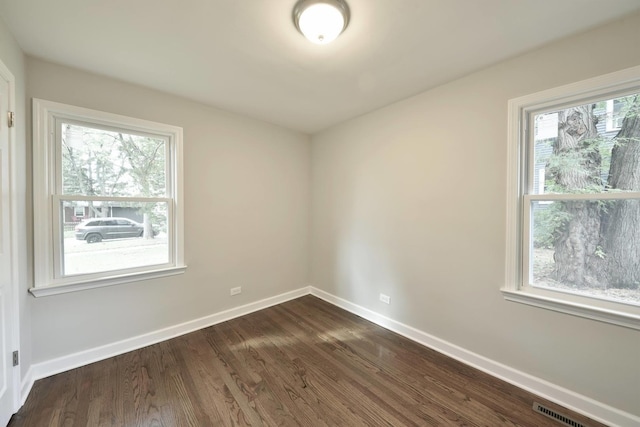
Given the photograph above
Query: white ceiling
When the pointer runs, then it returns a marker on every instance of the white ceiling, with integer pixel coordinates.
(246, 56)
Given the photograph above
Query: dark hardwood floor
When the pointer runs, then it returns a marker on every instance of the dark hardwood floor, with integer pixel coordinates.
(301, 363)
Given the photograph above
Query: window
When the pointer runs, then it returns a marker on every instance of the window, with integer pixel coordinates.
(573, 218)
(615, 114)
(107, 199)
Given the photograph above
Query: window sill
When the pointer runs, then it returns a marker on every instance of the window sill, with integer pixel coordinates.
(43, 291)
(601, 314)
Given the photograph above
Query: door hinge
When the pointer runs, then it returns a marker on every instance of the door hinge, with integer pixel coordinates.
(16, 360)
(11, 119)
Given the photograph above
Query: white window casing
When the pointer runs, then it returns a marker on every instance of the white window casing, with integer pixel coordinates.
(47, 198)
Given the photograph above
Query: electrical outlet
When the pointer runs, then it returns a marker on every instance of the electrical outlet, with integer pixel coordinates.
(236, 291)
(385, 298)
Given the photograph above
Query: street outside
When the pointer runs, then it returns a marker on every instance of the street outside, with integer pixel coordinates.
(81, 257)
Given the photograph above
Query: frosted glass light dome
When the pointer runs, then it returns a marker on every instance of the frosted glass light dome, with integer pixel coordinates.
(321, 21)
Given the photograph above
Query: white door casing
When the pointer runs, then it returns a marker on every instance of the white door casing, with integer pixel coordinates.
(9, 374)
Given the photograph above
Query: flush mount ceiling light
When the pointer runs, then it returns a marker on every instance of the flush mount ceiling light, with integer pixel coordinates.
(321, 21)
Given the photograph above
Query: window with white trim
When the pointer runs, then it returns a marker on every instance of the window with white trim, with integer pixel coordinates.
(573, 233)
(107, 198)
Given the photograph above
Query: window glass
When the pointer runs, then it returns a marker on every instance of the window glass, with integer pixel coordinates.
(563, 230)
(99, 162)
(586, 241)
(573, 148)
(116, 244)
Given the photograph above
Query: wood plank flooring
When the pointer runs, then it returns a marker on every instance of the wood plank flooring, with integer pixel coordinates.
(301, 363)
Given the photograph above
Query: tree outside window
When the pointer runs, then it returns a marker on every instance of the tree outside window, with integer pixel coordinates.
(589, 245)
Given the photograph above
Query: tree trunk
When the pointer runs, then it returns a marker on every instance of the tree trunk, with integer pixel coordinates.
(148, 229)
(576, 168)
(576, 247)
(621, 222)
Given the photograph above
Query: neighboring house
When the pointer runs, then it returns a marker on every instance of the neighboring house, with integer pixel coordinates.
(78, 213)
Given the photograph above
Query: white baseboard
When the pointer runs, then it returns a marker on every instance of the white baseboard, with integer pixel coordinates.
(576, 402)
(75, 360)
(564, 397)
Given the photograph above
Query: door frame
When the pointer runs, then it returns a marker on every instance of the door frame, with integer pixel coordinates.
(14, 330)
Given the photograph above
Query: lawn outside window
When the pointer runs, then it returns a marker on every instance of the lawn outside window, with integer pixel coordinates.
(573, 216)
(107, 199)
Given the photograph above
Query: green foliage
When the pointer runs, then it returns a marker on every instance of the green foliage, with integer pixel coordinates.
(99, 162)
(549, 220)
(630, 106)
(582, 166)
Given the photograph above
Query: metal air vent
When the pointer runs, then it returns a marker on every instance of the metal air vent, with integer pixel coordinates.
(562, 419)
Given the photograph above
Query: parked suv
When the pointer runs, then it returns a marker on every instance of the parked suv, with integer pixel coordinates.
(96, 229)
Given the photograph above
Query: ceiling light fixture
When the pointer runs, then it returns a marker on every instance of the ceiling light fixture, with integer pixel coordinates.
(321, 21)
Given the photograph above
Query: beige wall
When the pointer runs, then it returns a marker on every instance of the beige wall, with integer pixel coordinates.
(410, 201)
(246, 218)
(12, 57)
